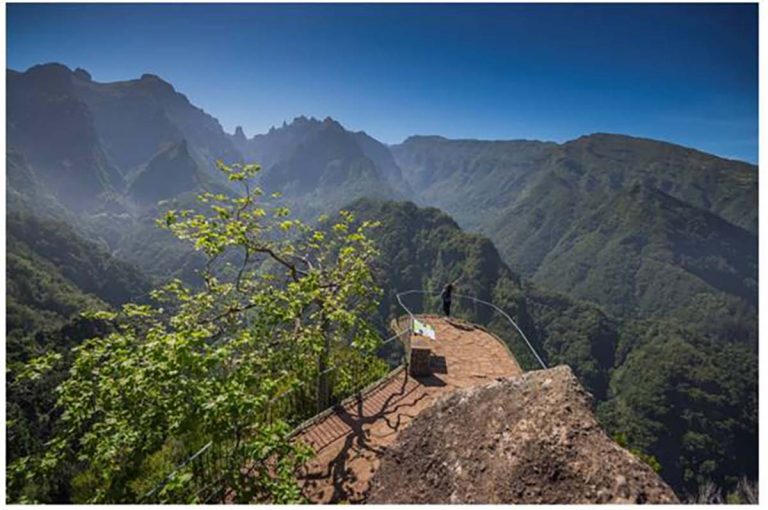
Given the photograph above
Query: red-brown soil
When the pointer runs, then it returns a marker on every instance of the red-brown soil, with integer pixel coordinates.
(350, 441)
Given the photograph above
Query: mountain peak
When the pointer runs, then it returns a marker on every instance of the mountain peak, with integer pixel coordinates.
(603, 136)
(304, 124)
(240, 134)
(615, 144)
(49, 67)
(82, 74)
(153, 80)
(302, 119)
(174, 170)
(52, 74)
(424, 138)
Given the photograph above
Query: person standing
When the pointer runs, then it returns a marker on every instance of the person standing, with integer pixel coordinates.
(446, 295)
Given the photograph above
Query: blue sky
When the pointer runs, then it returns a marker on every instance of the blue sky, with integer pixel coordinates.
(682, 73)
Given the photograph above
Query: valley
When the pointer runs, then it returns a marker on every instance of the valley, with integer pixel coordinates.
(631, 260)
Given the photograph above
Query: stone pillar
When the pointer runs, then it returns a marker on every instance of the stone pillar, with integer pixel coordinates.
(420, 354)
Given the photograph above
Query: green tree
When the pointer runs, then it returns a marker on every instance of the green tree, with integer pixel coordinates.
(691, 403)
(281, 304)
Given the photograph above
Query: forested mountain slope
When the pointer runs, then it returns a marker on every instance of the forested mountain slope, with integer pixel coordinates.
(473, 180)
(657, 382)
(633, 261)
(644, 253)
(425, 249)
(564, 215)
(53, 274)
(595, 216)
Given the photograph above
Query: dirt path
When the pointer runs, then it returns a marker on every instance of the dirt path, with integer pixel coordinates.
(349, 442)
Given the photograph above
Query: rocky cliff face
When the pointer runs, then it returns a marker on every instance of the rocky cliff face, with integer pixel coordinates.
(531, 439)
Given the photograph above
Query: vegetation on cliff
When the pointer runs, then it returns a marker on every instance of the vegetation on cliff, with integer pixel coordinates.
(207, 364)
(682, 393)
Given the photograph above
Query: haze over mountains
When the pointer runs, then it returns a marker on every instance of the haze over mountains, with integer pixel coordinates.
(608, 218)
(600, 245)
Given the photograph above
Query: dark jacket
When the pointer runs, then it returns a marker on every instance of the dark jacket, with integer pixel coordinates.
(446, 294)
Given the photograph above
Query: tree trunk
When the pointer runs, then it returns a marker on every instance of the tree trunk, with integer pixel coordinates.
(323, 385)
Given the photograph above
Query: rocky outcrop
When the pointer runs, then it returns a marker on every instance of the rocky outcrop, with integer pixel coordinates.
(529, 439)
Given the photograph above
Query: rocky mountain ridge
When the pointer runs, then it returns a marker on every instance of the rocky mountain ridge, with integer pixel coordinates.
(625, 258)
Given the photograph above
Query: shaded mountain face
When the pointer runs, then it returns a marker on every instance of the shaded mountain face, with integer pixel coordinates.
(321, 166)
(173, 171)
(22, 184)
(55, 132)
(110, 151)
(82, 138)
(325, 155)
(137, 118)
(382, 157)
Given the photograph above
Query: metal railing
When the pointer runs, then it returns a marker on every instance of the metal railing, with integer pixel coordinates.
(207, 466)
(497, 322)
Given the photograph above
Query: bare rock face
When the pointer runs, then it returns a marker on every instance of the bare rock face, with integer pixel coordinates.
(530, 439)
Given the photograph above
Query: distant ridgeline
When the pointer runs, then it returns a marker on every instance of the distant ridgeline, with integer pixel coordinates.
(633, 261)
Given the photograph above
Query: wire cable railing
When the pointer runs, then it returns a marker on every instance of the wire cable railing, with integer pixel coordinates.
(474, 318)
